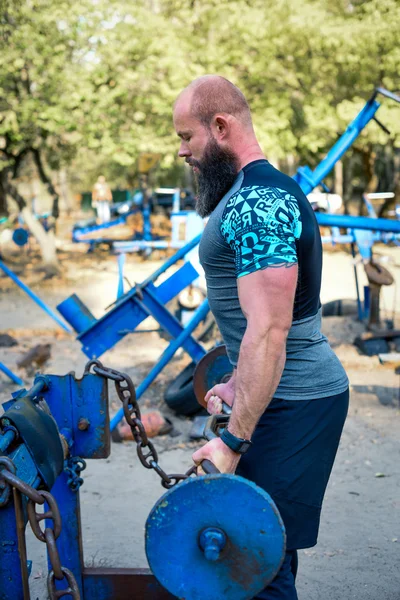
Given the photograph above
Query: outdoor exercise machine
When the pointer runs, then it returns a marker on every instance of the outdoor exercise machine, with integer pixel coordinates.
(46, 433)
(144, 300)
(80, 233)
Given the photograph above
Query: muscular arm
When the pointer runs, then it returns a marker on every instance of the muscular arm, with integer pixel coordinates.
(266, 298)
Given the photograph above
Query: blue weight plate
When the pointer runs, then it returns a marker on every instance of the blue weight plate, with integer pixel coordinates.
(244, 512)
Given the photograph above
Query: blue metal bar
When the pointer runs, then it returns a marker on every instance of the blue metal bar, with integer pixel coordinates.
(6, 439)
(166, 356)
(382, 225)
(11, 584)
(77, 233)
(308, 179)
(34, 297)
(121, 263)
(172, 260)
(146, 223)
(69, 543)
(169, 322)
(10, 374)
(127, 314)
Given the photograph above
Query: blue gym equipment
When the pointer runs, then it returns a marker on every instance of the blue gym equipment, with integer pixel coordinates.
(196, 550)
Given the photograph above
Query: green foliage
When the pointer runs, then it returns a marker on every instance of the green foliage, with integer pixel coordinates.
(99, 78)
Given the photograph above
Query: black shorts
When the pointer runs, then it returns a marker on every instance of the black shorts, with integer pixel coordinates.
(294, 447)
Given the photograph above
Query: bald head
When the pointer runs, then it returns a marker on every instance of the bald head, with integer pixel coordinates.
(212, 94)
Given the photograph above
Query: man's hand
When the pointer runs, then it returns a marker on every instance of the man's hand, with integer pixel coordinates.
(219, 454)
(219, 393)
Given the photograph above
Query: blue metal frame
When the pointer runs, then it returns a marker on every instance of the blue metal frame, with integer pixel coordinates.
(78, 233)
(196, 352)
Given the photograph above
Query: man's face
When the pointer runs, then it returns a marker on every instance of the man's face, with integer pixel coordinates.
(215, 167)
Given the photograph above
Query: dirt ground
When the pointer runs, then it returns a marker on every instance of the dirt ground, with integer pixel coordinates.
(358, 554)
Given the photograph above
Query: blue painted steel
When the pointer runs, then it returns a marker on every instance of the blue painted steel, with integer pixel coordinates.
(146, 223)
(367, 301)
(170, 323)
(69, 543)
(126, 314)
(34, 297)
(212, 541)
(11, 586)
(121, 264)
(308, 179)
(173, 259)
(247, 516)
(6, 439)
(79, 232)
(381, 225)
(166, 356)
(365, 240)
(10, 374)
(138, 245)
(76, 313)
(71, 400)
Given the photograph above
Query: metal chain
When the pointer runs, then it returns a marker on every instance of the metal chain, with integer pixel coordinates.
(49, 535)
(73, 467)
(145, 448)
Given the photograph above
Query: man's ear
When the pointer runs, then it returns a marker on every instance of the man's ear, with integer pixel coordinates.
(220, 126)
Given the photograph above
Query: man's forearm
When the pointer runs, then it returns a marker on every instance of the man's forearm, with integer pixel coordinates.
(261, 362)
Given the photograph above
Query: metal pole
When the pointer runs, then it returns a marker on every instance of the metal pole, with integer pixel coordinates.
(6, 439)
(121, 263)
(166, 356)
(10, 374)
(172, 260)
(383, 225)
(34, 297)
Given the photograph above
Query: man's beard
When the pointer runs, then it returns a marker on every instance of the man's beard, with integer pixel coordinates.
(218, 170)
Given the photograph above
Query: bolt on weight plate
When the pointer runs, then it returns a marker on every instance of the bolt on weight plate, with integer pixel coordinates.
(213, 368)
(215, 536)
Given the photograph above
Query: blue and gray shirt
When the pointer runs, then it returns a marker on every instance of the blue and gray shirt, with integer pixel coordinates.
(265, 220)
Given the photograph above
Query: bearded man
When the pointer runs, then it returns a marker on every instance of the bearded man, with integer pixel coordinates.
(262, 256)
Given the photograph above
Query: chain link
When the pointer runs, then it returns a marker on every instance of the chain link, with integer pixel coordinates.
(49, 535)
(145, 448)
(73, 467)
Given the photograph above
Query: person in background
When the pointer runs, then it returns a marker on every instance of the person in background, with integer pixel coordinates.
(101, 199)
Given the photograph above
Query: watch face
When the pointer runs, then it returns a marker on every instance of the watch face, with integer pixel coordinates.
(245, 446)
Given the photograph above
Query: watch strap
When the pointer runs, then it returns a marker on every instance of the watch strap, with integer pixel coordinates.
(236, 444)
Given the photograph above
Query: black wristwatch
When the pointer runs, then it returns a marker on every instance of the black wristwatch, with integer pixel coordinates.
(239, 445)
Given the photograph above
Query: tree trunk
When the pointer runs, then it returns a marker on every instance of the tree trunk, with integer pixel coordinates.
(46, 241)
(338, 185)
(45, 179)
(3, 193)
(369, 159)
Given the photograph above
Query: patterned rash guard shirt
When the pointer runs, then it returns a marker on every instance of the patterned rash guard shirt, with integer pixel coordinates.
(266, 221)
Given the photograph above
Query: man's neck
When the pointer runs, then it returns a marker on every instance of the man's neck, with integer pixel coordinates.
(250, 153)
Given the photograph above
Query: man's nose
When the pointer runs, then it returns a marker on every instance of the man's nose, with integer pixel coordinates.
(184, 150)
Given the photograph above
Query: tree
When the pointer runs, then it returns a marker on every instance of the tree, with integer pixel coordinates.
(41, 97)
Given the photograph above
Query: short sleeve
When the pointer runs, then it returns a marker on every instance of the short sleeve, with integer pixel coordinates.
(261, 225)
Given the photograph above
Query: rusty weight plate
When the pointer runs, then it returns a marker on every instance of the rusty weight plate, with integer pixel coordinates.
(210, 370)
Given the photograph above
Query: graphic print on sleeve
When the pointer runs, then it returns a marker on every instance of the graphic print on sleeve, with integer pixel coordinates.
(261, 225)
